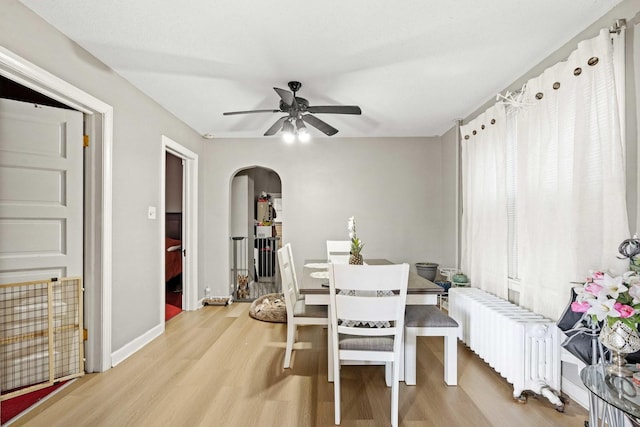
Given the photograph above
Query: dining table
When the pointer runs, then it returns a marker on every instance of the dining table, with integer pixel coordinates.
(315, 290)
(315, 284)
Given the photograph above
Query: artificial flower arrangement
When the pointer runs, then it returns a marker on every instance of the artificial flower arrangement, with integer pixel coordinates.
(610, 298)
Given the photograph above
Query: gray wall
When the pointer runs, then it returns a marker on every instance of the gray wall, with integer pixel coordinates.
(139, 123)
(449, 248)
(392, 186)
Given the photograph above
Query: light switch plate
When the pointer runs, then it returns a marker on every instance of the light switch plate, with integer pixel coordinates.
(152, 212)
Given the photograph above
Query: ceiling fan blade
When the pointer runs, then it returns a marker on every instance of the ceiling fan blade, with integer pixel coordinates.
(276, 126)
(286, 96)
(319, 124)
(230, 113)
(335, 109)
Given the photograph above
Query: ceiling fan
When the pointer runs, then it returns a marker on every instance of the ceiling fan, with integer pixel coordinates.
(298, 112)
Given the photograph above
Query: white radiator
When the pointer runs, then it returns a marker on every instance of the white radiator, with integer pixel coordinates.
(520, 345)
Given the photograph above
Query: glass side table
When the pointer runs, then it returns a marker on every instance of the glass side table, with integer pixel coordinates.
(612, 399)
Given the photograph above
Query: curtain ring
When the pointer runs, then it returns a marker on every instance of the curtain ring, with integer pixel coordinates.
(577, 71)
(592, 61)
(474, 132)
(493, 121)
(466, 137)
(482, 127)
(539, 95)
(556, 85)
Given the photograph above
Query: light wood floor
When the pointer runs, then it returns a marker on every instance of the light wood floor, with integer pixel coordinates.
(219, 367)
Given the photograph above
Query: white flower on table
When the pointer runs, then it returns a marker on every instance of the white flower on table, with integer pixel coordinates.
(602, 308)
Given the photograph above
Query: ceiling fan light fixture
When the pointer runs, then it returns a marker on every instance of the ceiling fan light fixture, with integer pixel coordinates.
(304, 135)
(288, 127)
(303, 132)
(288, 132)
(298, 112)
(288, 137)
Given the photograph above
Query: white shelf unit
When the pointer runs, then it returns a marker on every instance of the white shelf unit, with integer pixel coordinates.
(449, 272)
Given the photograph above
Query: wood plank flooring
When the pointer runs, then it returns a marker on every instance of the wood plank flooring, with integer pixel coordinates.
(219, 367)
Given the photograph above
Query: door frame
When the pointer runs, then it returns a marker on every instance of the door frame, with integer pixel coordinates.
(98, 117)
(189, 222)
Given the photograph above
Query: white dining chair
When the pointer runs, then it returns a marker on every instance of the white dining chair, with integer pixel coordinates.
(367, 304)
(338, 251)
(298, 313)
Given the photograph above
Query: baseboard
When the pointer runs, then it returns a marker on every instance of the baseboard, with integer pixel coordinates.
(571, 383)
(576, 393)
(129, 349)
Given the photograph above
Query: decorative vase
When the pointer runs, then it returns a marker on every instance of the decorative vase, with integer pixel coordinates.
(356, 259)
(427, 270)
(621, 340)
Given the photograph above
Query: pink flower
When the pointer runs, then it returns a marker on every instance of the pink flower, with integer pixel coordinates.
(624, 310)
(598, 275)
(580, 307)
(593, 288)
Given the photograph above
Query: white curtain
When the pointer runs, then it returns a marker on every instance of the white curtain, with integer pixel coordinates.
(484, 217)
(571, 209)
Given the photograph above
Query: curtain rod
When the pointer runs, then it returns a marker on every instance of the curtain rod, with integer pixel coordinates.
(620, 25)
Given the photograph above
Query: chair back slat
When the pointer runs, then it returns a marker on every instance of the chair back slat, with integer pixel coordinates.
(369, 277)
(338, 251)
(368, 331)
(363, 308)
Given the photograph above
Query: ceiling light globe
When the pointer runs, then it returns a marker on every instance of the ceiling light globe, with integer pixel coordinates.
(288, 137)
(303, 135)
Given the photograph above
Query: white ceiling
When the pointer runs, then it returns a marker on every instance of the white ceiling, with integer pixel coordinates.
(413, 66)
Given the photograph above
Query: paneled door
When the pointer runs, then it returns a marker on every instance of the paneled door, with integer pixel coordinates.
(41, 192)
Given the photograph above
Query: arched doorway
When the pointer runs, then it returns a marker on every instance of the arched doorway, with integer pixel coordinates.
(256, 227)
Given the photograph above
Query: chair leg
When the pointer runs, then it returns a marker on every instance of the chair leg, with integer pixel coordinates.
(336, 392)
(291, 333)
(388, 373)
(329, 353)
(451, 359)
(395, 386)
(410, 356)
(401, 377)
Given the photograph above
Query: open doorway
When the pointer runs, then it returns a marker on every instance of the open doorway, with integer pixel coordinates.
(256, 232)
(173, 203)
(179, 228)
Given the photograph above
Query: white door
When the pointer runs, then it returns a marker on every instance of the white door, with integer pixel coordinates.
(41, 206)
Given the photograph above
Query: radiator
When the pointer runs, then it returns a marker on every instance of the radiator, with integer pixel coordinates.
(520, 345)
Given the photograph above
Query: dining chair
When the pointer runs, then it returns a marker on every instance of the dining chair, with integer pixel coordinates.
(367, 304)
(298, 313)
(338, 251)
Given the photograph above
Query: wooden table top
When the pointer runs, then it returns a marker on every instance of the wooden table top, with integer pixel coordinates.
(417, 283)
